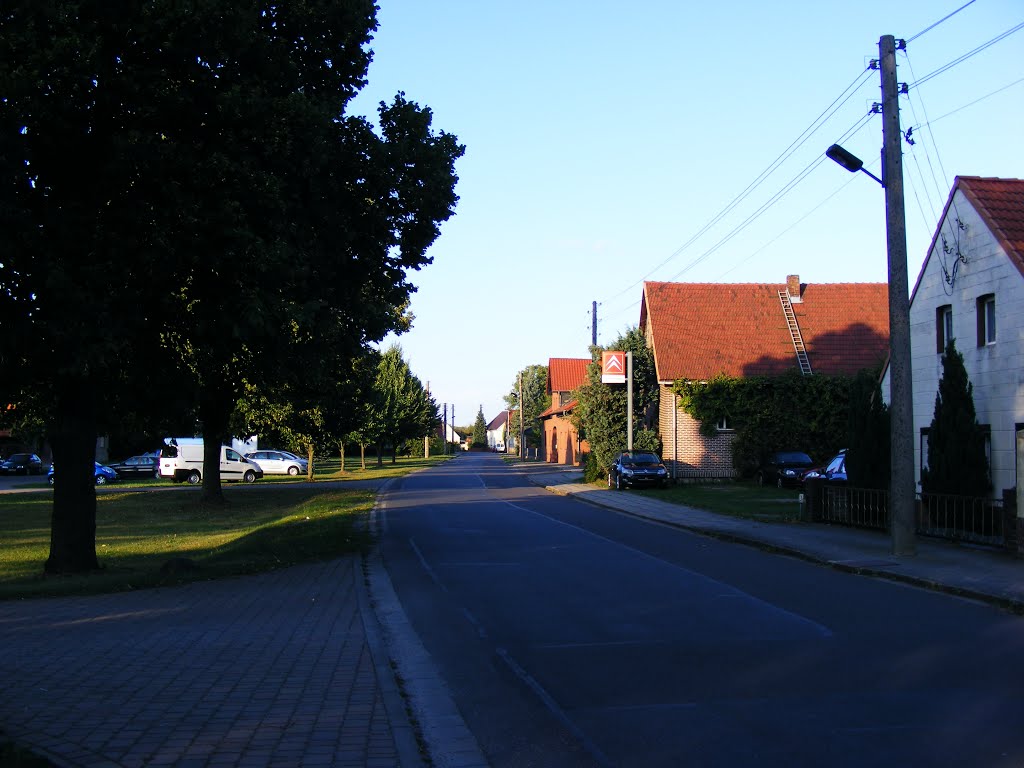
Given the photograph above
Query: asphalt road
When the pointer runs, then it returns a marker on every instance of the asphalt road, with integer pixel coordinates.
(570, 635)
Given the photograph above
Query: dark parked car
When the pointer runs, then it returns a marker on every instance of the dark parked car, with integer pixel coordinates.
(834, 470)
(22, 464)
(137, 466)
(103, 475)
(783, 469)
(636, 468)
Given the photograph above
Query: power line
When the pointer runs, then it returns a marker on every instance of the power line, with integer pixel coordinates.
(827, 113)
(967, 55)
(944, 18)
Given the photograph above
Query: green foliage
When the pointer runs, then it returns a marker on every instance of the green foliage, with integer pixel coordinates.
(270, 234)
(771, 413)
(400, 407)
(956, 444)
(479, 434)
(600, 413)
(869, 449)
(535, 401)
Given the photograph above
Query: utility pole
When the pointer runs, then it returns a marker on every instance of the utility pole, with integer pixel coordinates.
(426, 440)
(593, 325)
(901, 409)
(444, 428)
(629, 399)
(522, 424)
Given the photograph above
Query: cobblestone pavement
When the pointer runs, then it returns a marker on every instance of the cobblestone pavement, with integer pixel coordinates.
(279, 669)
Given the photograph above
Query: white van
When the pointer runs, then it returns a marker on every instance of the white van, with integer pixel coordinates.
(184, 463)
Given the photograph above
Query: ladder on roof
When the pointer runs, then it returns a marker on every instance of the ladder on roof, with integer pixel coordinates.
(794, 332)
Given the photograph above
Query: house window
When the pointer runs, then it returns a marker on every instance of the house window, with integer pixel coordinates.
(943, 327)
(986, 319)
(723, 424)
(924, 449)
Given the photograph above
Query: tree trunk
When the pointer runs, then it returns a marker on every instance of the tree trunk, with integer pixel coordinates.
(309, 462)
(380, 455)
(341, 450)
(215, 411)
(362, 456)
(73, 521)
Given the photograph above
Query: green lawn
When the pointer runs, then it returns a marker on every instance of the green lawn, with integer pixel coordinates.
(262, 526)
(739, 499)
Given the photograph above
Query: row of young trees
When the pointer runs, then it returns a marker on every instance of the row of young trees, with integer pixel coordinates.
(188, 216)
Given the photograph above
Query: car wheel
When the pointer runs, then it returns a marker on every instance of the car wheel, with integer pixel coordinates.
(778, 483)
(194, 477)
(293, 471)
(50, 479)
(249, 477)
(101, 480)
(618, 483)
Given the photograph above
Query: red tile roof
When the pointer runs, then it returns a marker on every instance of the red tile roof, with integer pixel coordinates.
(555, 409)
(1000, 202)
(566, 373)
(700, 330)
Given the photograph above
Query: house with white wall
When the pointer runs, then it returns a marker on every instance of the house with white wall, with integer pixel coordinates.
(971, 289)
(497, 433)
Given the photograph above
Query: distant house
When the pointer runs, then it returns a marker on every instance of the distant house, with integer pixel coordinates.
(700, 330)
(497, 432)
(562, 444)
(971, 289)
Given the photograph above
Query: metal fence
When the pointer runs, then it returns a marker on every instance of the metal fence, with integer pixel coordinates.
(990, 522)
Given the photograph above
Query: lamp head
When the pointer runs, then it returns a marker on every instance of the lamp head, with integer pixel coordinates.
(849, 161)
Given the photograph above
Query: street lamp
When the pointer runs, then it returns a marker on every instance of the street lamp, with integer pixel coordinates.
(849, 161)
(902, 512)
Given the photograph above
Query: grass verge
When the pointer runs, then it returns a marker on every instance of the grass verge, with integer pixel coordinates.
(738, 499)
(155, 539)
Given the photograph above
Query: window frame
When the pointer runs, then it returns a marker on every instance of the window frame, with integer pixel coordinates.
(943, 327)
(985, 306)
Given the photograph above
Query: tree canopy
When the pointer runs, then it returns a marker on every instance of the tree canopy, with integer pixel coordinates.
(535, 401)
(185, 206)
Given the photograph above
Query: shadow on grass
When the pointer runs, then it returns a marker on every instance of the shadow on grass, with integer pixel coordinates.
(156, 539)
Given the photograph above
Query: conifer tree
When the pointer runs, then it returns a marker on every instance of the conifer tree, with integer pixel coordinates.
(956, 447)
(480, 430)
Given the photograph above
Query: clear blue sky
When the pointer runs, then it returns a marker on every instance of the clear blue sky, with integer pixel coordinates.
(609, 143)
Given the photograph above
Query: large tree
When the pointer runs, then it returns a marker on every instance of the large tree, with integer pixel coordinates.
(184, 203)
(600, 413)
(535, 400)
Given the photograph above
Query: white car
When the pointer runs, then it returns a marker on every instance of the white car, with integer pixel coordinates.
(279, 462)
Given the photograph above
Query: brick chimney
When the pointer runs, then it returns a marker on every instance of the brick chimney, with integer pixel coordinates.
(793, 288)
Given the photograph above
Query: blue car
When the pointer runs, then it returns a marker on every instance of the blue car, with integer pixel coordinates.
(104, 474)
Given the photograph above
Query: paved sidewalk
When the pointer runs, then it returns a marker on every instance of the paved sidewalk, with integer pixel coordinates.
(278, 669)
(973, 572)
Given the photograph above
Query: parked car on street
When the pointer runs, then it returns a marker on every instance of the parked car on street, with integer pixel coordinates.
(834, 470)
(103, 474)
(635, 468)
(22, 464)
(279, 462)
(783, 469)
(137, 466)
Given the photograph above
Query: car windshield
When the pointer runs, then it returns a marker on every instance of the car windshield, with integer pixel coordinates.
(793, 457)
(641, 458)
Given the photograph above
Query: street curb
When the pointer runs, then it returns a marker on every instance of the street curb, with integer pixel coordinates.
(436, 726)
(1009, 604)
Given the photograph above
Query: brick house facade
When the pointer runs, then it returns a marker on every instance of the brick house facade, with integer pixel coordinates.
(700, 330)
(561, 444)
